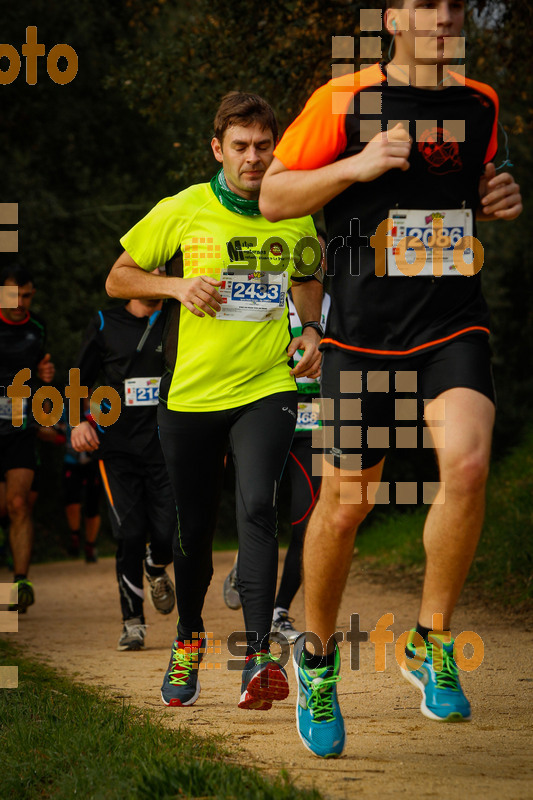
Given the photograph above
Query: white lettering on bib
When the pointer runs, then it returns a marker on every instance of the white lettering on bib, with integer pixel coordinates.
(6, 409)
(141, 391)
(308, 417)
(252, 297)
(439, 242)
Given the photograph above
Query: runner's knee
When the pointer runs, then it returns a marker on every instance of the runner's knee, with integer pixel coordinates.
(259, 509)
(345, 509)
(18, 506)
(465, 473)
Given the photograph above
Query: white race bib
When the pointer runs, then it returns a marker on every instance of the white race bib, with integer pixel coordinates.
(252, 297)
(6, 409)
(438, 243)
(141, 391)
(308, 417)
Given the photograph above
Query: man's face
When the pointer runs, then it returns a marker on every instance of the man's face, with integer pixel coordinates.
(433, 26)
(25, 295)
(245, 153)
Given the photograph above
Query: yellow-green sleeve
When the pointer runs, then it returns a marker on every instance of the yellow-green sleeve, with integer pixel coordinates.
(307, 229)
(156, 237)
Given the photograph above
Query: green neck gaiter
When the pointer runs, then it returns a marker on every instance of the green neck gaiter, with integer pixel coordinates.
(230, 200)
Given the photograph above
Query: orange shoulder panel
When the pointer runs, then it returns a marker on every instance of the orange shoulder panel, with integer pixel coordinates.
(489, 92)
(318, 135)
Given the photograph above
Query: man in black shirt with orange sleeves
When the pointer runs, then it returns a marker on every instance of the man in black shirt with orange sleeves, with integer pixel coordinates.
(403, 149)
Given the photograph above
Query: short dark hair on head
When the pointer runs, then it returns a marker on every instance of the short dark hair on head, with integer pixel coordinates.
(16, 273)
(394, 4)
(241, 108)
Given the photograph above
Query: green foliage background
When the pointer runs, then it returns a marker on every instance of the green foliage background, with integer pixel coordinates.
(88, 159)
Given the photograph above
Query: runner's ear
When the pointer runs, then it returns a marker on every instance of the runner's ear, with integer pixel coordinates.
(216, 147)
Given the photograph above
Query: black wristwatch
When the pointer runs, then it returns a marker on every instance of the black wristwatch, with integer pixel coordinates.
(316, 325)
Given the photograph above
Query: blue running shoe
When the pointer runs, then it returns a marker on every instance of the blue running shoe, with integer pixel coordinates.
(181, 686)
(263, 680)
(442, 697)
(318, 716)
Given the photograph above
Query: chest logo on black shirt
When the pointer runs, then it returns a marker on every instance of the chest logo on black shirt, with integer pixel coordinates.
(441, 151)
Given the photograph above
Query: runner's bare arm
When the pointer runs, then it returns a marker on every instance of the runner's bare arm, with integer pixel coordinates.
(286, 194)
(127, 279)
(84, 438)
(307, 298)
(46, 369)
(500, 196)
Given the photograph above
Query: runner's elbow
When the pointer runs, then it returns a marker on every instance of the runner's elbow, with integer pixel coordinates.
(268, 209)
(111, 285)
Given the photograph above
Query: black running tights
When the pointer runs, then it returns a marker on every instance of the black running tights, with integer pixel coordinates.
(194, 445)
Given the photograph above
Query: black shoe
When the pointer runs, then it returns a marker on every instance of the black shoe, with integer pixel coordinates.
(91, 554)
(26, 596)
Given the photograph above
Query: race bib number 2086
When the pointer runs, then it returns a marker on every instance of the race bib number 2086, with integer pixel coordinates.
(424, 242)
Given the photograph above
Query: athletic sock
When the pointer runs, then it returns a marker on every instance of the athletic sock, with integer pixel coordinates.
(424, 632)
(318, 661)
(19, 577)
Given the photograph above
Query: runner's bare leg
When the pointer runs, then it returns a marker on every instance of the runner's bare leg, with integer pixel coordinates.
(328, 545)
(18, 486)
(453, 527)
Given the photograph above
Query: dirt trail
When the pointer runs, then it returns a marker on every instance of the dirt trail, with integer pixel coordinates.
(392, 750)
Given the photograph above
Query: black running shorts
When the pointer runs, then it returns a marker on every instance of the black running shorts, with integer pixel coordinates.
(366, 400)
(17, 451)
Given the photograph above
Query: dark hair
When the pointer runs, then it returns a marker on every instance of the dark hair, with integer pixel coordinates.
(241, 108)
(16, 273)
(393, 4)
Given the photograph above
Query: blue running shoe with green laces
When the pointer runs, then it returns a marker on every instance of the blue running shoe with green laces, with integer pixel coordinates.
(318, 716)
(263, 680)
(437, 678)
(181, 686)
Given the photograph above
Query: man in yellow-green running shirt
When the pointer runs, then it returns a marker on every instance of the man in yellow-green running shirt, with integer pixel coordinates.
(229, 379)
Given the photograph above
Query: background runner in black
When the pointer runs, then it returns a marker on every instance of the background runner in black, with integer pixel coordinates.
(22, 339)
(132, 466)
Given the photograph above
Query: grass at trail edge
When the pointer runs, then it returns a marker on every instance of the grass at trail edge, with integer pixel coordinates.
(503, 565)
(60, 740)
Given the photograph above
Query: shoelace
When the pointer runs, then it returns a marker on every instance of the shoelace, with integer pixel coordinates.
(183, 663)
(321, 699)
(284, 622)
(161, 586)
(135, 629)
(261, 658)
(447, 677)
